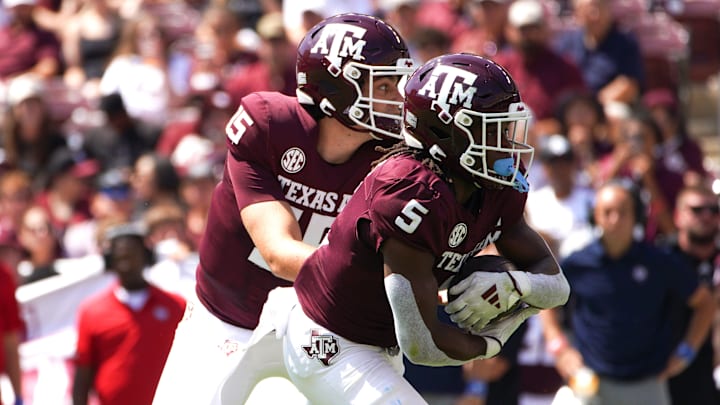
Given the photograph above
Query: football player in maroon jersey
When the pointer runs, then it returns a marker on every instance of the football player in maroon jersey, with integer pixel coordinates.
(456, 185)
(293, 163)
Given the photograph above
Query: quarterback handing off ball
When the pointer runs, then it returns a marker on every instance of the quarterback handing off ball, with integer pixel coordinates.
(493, 297)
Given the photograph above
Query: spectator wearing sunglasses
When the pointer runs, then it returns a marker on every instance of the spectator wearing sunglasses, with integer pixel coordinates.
(697, 218)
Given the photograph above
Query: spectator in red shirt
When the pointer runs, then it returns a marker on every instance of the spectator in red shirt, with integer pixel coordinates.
(24, 47)
(11, 331)
(125, 332)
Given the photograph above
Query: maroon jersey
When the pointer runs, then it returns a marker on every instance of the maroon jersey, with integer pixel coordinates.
(272, 145)
(341, 285)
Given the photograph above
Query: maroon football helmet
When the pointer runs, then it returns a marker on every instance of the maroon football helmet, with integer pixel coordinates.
(459, 107)
(339, 61)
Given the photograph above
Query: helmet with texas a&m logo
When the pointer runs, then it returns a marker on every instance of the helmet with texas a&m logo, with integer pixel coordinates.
(465, 111)
(340, 67)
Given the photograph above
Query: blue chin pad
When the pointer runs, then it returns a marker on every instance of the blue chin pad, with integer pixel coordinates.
(505, 167)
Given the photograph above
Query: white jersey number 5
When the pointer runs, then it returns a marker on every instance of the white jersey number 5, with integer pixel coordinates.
(411, 216)
(237, 125)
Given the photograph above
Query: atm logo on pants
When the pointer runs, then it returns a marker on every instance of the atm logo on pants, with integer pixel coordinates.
(322, 347)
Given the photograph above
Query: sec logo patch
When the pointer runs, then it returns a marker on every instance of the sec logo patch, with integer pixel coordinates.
(293, 160)
(457, 235)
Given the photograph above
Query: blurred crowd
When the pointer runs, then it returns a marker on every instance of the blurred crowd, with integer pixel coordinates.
(114, 112)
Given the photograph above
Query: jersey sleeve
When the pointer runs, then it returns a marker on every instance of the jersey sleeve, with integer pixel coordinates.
(250, 155)
(252, 182)
(247, 130)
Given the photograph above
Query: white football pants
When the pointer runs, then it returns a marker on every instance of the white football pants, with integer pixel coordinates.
(215, 363)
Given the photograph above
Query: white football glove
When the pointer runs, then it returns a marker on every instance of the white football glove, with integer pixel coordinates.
(481, 298)
(502, 328)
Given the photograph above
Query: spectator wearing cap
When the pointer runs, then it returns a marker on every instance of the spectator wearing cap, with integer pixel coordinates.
(69, 186)
(486, 35)
(609, 59)
(111, 201)
(24, 47)
(679, 152)
(124, 332)
(275, 68)
(123, 139)
(560, 210)
(29, 135)
(11, 333)
(541, 74)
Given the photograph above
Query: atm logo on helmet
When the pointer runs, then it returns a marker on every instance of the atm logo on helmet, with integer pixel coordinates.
(339, 41)
(456, 87)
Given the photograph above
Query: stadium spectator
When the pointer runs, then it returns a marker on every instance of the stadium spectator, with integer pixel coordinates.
(124, 332)
(619, 316)
(486, 35)
(542, 75)
(609, 58)
(447, 16)
(11, 333)
(16, 195)
(560, 210)
(300, 16)
(371, 292)
(30, 136)
(89, 38)
(678, 151)
(275, 68)
(70, 183)
(634, 158)
(176, 256)
(151, 79)
(41, 244)
(154, 180)
(697, 219)
(111, 200)
(430, 43)
(217, 54)
(261, 226)
(402, 15)
(200, 168)
(123, 139)
(24, 47)
(582, 120)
